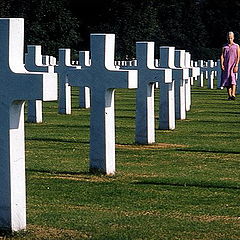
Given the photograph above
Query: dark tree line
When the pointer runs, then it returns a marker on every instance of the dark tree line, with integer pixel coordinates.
(199, 26)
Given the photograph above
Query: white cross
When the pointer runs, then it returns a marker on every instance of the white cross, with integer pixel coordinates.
(188, 81)
(180, 74)
(149, 75)
(17, 85)
(34, 63)
(195, 71)
(64, 89)
(210, 72)
(200, 78)
(84, 92)
(180, 89)
(102, 77)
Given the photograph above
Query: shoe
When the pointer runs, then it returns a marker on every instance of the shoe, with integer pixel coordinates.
(229, 98)
(233, 97)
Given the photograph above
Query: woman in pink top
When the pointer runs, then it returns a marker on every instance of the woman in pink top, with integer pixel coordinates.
(229, 64)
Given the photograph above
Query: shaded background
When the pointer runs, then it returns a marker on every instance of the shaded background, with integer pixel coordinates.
(198, 26)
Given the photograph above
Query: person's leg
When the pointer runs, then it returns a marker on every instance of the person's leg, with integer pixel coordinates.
(234, 90)
(229, 91)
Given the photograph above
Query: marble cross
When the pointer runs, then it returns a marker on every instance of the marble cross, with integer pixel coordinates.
(102, 77)
(188, 81)
(17, 85)
(84, 92)
(34, 63)
(174, 60)
(64, 89)
(195, 71)
(148, 76)
(200, 78)
(180, 89)
(210, 72)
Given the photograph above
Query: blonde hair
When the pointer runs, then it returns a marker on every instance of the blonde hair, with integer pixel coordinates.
(230, 33)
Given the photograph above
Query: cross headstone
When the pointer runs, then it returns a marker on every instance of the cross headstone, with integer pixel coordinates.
(34, 63)
(180, 89)
(195, 70)
(102, 77)
(200, 79)
(17, 85)
(210, 73)
(188, 81)
(84, 92)
(64, 89)
(148, 75)
(180, 74)
(192, 78)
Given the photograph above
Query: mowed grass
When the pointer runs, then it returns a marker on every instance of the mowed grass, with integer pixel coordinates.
(186, 186)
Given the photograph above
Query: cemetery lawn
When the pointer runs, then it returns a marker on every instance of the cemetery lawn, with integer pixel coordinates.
(184, 187)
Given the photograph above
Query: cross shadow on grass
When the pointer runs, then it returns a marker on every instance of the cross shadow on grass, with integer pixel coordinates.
(207, 151)
(229, 112)
(91, 172)
(199, 184)
(58, 172)
(71, 126)
(57, 140)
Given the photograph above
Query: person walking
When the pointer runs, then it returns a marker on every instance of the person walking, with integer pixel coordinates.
(229, 64)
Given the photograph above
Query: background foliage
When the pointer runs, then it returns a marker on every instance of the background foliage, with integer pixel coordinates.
(199, 26)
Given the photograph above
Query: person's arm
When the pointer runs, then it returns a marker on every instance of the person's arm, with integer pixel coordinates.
(238, 55)
(222, 60)
(237, 61)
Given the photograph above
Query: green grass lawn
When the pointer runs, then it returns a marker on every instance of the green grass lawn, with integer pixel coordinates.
(186, 186)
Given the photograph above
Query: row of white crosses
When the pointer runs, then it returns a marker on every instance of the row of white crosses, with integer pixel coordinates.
(34, 61)
(212, 70)
(64, 93)
(166, 116)
(209, 70)
(172, 83)
(37, 82)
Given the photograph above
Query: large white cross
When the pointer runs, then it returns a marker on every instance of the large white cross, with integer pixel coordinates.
(102, 77)
(34, 63)
(149, 75)
(17, 85)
